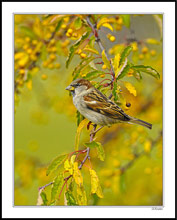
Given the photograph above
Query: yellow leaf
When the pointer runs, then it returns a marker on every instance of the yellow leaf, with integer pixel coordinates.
(101, 22)
(81, 196)
(68, 167)
(116, 63)
(77, 174)
(105, 20)
(130, 88)
(152, 41)
(79, 129)
(19, 55)
(95, 184)
(107, 25)
(72, 159)
(92, 50)
(105, 60)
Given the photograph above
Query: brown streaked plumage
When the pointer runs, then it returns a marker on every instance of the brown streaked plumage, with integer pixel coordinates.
(96, 107)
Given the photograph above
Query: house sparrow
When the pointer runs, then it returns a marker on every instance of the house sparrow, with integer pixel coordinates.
(96, 107)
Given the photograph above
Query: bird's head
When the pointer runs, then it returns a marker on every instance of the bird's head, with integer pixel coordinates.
(78, 86)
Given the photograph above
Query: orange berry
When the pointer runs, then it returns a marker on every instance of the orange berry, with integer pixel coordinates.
(52, 56)
(83, 55)
(104, 66)
(112, 38)
(153, 52)
(44, 76)
(70, 31)
(144, 50)
(141, 56)
(120, 21)
(22, 71)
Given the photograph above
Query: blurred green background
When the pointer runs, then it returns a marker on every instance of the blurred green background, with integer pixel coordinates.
(45, 120)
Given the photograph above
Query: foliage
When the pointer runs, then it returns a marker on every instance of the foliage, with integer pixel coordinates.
(40, 43)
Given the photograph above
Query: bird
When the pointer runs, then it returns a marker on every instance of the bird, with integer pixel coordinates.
(97, 108)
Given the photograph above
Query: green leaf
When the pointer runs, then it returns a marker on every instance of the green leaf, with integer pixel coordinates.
(55, 163)
(27, 32)
(79, 117)
(124, 54)
(126, 20)
(81, 195)
(124, 72)
(114, 91)
(70, 198)
(78, 23)
(147, 69)
(70, 56)
(92, 41)
(93, 74)
(83, 64)
(58, 25)
(57, 184)
(44, 198)
(105, 60)
(99, 147)
(74, 47)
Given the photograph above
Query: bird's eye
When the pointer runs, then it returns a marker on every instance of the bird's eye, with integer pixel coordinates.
(76, 85)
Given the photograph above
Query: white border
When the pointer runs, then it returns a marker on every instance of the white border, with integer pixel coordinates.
(168, 8)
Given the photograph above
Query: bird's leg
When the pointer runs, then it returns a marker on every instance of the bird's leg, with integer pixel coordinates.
(94, 131)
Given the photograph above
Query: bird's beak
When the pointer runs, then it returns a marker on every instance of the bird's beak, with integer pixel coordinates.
(70, 88)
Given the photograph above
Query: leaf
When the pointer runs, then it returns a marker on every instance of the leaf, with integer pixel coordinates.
(116, 61)
(92, 50)
(68, 167)
(95, 184)
(56, 187)
(79, 129)
(70, 200)
(130, 88)
(44, 198)
(152, 41)
(58, 25)
(100, 151)
(105, 60)
(93, 74)
(124, 72)
(83, 64)
(55, 163)
(147, 69)
(79, 117)
(27, 32)
(99, 147)
(77, 23)
(102, 21)
(77, 174)
(126, 20)
(107, 25)
(74, 47)
(125, 53)
(81, 196)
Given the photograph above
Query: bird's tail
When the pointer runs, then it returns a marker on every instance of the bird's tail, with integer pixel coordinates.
(140, 122)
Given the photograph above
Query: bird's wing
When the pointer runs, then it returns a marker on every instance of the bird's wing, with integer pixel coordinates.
(97, 102)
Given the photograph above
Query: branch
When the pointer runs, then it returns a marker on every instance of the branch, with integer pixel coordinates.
(95, 32)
